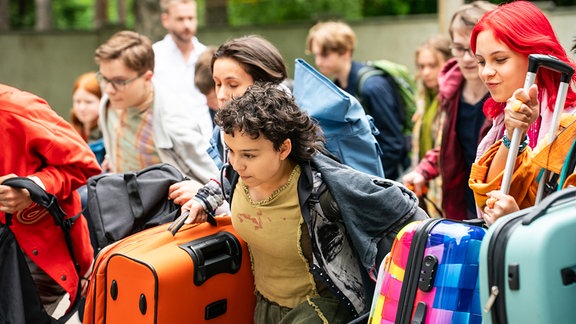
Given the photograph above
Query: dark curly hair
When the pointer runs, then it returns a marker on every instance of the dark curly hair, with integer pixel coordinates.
(265, 109)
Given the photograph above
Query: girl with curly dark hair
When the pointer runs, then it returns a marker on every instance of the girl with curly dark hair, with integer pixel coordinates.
(310, 264)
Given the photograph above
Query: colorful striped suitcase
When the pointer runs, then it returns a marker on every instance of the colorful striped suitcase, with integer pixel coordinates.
(430, 275)
(528, 264)
(200, 273)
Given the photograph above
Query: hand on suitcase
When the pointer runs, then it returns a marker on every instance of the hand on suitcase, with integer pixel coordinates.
(195, 210)
(498, 205)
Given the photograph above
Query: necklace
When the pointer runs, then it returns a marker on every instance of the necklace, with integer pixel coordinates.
(275, 193)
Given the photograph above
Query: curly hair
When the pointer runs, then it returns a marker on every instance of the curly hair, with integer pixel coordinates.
(266, 110)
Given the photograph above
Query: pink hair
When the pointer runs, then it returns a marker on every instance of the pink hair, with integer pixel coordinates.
(522, 27)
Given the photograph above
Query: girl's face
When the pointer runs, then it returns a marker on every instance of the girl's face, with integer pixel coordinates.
(256, 160)
(85, 106)
(464, 56)
(230, 78)
(501, 69)
(429, 65)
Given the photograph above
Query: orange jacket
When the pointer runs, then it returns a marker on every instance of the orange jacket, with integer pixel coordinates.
(527, 167)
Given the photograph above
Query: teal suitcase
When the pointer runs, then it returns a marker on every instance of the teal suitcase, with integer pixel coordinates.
(528, 264)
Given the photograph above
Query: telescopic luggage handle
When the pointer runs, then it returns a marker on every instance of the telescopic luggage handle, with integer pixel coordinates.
(535, 61)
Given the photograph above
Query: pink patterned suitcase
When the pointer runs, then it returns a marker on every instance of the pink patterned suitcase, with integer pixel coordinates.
(430, 275)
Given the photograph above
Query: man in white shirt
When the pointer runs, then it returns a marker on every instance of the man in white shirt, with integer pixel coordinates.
(175, 56)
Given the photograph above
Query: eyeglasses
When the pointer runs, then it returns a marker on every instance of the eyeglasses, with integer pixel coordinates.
(118, 85)
(459, 51)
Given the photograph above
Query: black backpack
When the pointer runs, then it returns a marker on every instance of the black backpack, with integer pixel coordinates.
(121, 204)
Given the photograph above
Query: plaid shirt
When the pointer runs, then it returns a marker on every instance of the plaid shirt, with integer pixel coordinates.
(133, 143)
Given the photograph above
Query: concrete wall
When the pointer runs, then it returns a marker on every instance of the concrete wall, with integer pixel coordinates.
(48, 63)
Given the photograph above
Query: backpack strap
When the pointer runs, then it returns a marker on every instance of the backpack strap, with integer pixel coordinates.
(364, 73)
(50, 202)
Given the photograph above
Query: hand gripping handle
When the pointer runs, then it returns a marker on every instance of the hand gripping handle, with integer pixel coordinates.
(535, 61)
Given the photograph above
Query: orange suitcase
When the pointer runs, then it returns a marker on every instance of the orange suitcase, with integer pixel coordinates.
(201, 273)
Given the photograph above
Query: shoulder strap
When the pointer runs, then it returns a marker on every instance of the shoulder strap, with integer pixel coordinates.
(50, 202)
(363, 74)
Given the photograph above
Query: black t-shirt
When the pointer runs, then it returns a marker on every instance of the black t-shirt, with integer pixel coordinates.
(468, 125)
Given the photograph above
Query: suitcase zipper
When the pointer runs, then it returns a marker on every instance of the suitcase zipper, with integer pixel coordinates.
(411, 275)
(495, 265)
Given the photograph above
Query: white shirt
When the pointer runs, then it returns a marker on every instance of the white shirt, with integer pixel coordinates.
(177, 75)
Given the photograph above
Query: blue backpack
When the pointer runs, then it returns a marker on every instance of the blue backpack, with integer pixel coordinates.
(349, 132)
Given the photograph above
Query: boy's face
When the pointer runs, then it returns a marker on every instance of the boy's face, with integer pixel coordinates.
(258, 164)
(329, 63)
(134, 92)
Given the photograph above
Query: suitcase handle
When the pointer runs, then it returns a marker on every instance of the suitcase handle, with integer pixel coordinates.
(214, 254)
(535, 61)
(540, 209)
(179, 222)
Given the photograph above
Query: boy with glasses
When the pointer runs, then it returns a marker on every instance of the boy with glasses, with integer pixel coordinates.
(142, 124)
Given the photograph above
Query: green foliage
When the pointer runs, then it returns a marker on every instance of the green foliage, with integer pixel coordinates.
(66, 14)
(72, 14)
(259, 12)
(79, 14)
(374, 8)
(21, 14)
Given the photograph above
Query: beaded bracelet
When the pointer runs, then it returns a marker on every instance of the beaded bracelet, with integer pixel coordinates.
(522, 146)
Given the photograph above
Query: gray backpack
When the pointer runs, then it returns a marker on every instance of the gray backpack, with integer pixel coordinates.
(121, 204)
